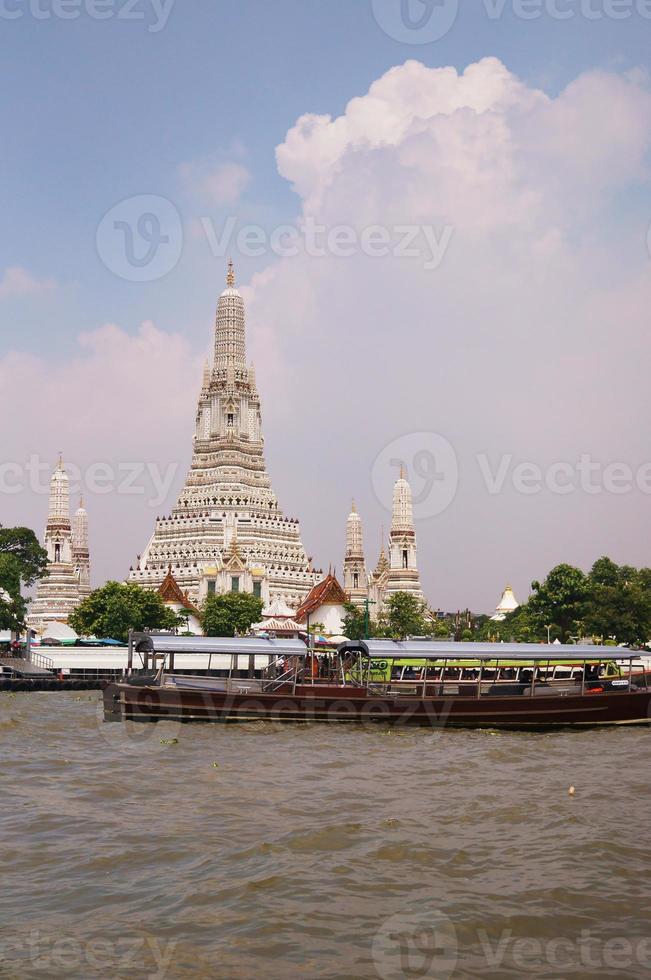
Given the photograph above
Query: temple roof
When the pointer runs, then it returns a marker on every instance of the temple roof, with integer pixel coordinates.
(382, 564)
(170, 592)
(327, 592)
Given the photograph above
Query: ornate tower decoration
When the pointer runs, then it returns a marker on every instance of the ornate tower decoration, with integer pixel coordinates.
(62, 588)
(228, 491)
(355, 577)
(403, 568)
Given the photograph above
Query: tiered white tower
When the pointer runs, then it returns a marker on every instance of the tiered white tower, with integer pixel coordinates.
(227, 531)
(80, 549)
(403, 573)
(355, 576)
(67, 580)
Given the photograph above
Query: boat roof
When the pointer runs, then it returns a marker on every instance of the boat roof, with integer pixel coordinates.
(445, 650)
(245, 645)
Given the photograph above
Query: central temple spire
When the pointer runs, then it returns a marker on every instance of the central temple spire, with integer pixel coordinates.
(228, 495)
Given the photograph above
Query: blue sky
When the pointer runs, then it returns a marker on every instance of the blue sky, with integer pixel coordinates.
(516, 347)
(96, 111)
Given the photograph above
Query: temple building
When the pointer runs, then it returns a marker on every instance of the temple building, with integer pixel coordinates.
(324, 607)
(180, 603)
(67, 580)
(507, 604)
(397, 572)
(227, 531)
(278, 620)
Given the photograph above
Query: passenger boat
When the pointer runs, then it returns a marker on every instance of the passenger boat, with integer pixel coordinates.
(285, 680)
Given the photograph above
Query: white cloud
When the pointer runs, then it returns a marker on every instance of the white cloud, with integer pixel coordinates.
(531, 338)
(17, 281)
(222, 184)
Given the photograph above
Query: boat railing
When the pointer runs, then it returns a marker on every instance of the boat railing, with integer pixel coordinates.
(271, 684)
(40, 661)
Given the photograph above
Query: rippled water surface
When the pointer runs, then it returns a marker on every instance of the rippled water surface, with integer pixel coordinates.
(305, 851)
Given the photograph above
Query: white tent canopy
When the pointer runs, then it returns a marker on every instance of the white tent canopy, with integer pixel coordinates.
(58, 631)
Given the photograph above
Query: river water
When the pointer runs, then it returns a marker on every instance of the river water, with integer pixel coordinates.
(306, 851)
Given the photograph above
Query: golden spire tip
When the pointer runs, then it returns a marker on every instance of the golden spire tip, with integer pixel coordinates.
(230, 276)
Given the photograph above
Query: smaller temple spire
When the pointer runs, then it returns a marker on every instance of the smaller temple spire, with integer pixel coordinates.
(403, 571)
(355, 577)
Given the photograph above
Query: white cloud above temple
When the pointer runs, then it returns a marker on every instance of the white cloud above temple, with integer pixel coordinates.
(522, 342)
(16, 281)
(220, 184)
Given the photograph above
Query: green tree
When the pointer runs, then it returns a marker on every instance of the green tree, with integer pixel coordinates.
(560, 600)
(22, 544)
(441, 627)
(230, 613)
(354, 624)
(518, 626)
(13, 607)
(22, 562)
(404, 615)
(619, 603)
(117, 608)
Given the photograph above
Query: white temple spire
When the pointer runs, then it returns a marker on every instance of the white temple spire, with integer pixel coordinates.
(402, 518)
(403, 571)
(59, 493)
(355, 577)
(80, 547)
(65, 584)
(228, 482)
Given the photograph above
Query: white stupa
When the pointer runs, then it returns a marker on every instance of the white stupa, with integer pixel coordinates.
(507, 604)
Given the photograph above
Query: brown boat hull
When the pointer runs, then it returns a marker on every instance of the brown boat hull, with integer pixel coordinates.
(337, 704)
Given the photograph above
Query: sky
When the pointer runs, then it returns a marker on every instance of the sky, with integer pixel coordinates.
(439, 216)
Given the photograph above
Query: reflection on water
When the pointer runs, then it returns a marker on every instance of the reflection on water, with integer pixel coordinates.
(317, 851)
